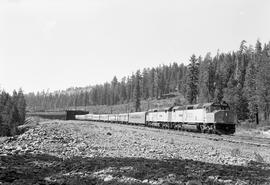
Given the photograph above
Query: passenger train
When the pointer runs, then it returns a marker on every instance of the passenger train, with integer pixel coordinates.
(208, 117)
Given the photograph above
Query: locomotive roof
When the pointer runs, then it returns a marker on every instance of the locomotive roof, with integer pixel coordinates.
(152, 110)
(161, 109)
(184, 107)
(199, 106)
(166, 108)
(179, 107)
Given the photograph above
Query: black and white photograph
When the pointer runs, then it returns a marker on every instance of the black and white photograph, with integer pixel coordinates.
(134, 92)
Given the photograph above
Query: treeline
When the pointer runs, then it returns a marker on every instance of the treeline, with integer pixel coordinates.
(241, 78)
(152, 83)
(12, 112)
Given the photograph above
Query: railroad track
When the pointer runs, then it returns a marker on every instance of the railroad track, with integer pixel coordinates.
(249, 140)
(257, 141)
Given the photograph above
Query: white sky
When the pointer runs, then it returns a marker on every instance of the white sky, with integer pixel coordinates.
(56, 44)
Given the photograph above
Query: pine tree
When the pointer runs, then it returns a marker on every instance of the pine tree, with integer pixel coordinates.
(123, 93)
(155, 84)
(234, 92)
(243, 47)
(263, 83)
(145, 84)
(137, 91)
(192, 83)
(14, 120)
(231, 94)
(114, 85)
(251, 90)
(206, 80)
(7, 117)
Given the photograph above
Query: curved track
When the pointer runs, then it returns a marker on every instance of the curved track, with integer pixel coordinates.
(249, 140)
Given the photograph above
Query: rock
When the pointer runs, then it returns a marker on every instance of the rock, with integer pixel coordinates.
(88, 150)
(145, 181)
(225, 181)
(240, 182)
(153, 182)
(7, 147)
(171, 177)
(213, 153)
(108, 178)
(48, 179)
(126, 168)
(193, 182)
(81, 146)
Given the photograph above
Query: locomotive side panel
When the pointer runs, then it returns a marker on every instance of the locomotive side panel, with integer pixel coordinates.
(194, 116)
(177, 116)
(210, 118)
(162, 116)
(137, 118)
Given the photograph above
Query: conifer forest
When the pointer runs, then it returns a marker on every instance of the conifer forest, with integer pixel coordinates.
(241, 78)
(12, 112)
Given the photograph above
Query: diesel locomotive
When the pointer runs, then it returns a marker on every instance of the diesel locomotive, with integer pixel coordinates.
(207, 117)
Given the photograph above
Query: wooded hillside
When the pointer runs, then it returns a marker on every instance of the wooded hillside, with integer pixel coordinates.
(241, 78)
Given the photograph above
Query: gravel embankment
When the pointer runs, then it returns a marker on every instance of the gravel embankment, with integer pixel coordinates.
(74, 152)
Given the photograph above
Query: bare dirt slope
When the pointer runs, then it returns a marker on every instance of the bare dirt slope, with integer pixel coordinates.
(75, 152)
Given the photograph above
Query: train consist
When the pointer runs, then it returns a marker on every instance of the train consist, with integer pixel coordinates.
(208, 117)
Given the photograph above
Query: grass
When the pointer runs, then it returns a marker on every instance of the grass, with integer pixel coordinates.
(252, 125)
(30, 122)
(252, 129)
(258, 158)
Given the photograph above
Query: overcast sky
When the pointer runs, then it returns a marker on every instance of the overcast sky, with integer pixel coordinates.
(56, 44)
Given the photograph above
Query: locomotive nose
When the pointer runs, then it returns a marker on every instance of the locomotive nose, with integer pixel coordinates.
(224, 117)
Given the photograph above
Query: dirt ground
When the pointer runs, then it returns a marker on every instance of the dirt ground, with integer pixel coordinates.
(76, 152)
